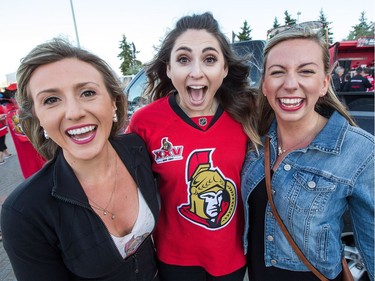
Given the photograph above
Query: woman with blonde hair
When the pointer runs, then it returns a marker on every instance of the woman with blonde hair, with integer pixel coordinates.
(321, 165)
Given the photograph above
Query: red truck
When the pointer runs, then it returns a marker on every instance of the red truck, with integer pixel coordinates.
(352, 54)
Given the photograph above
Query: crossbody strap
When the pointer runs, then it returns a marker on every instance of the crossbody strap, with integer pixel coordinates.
(267, 167)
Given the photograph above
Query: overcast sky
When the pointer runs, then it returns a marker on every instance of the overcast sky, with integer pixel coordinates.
(101, 24)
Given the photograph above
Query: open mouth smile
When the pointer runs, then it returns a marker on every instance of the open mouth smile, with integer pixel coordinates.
(83, 134)
(291, 103)
(197, 94)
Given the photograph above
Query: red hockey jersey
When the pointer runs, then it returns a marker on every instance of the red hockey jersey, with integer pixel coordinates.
(201, 220)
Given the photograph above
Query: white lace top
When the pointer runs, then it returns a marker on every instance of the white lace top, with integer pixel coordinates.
(143, 226)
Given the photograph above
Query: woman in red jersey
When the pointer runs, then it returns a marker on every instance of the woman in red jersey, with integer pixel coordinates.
(197, 130)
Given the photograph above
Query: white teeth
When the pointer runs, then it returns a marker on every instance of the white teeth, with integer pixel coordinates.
(81, 130)
(196, 87)
(291, 101)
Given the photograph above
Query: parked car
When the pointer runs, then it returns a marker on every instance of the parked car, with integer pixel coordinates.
(359, 104)
(252, 51)
(134, 91)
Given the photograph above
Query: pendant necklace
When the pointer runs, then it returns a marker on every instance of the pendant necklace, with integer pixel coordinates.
(105, 210)
(280, 149)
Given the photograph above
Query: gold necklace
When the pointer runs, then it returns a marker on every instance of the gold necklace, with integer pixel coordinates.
(105, 210)
(280, 149)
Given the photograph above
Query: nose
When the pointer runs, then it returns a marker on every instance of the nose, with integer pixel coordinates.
(291, 81)
(196, 70)
(74, 110)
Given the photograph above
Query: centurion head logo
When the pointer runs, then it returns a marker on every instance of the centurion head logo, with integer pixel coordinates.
(212, 199)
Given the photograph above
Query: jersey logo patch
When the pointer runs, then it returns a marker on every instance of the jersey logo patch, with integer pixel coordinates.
(212, 198)
(167, 152)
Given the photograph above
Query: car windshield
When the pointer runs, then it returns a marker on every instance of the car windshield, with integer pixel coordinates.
(252, 51)
(136, 86)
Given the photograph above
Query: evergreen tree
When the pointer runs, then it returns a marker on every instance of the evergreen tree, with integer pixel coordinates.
(275, 23)
(129, 64)
(325, 28)
(362, 29)
(288, 19)
(245, 32)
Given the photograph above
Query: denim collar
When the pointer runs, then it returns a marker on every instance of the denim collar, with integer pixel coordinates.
(329, 139)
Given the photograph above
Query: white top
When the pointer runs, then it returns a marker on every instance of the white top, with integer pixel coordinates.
(129, 243)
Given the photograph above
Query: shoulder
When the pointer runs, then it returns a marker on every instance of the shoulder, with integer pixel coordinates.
(151, 115)
(34, 192)
(128, 142)
(149, 109)
(349, 133)
(130, 147)
(360, 136)
(230, 124)
(128, 138)
(357, 146)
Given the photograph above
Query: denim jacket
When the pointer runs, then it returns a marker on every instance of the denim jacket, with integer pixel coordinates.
(312, 188)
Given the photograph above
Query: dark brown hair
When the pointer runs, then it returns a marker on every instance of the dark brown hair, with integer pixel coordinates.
(234, 95)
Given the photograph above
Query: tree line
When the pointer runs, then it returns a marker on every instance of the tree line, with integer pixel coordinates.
(130, 65)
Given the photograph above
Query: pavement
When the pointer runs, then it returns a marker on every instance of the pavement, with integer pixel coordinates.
(10, 177)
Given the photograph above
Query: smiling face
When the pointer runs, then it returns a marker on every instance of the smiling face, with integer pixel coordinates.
(197, 69)
(294, 79)
(73, 106)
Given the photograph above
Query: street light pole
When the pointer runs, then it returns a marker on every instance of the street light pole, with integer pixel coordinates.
(75, 25)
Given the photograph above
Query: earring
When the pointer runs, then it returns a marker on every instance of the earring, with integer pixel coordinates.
(115, 119)
(46, 136)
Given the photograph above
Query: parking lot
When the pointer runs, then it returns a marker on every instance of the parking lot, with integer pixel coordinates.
(10, 177)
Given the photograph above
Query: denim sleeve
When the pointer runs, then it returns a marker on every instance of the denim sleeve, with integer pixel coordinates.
(361, 207)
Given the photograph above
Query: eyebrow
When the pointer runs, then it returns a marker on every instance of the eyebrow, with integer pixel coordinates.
(184, 48)
(76, 86)
(47, 91)
(300, 66)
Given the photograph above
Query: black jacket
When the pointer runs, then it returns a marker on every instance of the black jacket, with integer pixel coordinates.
(50, 232)
(337, 82)
(357, 83)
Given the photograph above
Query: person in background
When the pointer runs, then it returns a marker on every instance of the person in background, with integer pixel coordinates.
(29, 159)
(2, 100)
(346, 80)
(370, 78)
(358, 83)
(338, 79)
(88, 214)
(4, 154)
(321, 165)
(196, 130)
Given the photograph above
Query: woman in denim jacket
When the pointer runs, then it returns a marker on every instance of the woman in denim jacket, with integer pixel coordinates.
(321, 164)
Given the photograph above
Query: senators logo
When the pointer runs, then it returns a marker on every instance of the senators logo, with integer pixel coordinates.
(212, 198)
(167, 152)
(16, 124)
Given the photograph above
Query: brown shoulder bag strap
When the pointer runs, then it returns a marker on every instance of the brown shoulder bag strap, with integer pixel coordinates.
(267, 167)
